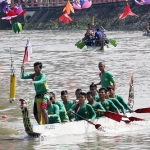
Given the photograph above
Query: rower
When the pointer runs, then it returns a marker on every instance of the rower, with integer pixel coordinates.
(116, 102)
(107, 104)
(99, 37)
(68, 104)
(106, 78)
(53, 112)
(119, 98)
(62, 110)
(77, 93)
(95, 105)
(93, 89)
(83, 109)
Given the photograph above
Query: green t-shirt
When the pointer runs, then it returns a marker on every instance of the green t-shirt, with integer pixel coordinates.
(121, 100)
(62, 111)
(118, 105)
(86, 112)
(54, 111)
(106, 79)
(40, 83)
(109, 105)
(96, 97)
(96, 106)
(68, 107)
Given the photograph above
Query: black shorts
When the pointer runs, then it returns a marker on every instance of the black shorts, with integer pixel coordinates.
(34, 109)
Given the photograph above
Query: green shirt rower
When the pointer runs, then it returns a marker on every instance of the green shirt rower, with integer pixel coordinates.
(83, 109)
(98, 108)
(53, 114)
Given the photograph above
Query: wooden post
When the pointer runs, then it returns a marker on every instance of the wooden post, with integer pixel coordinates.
(56, 2)
(39, 3)
(32, 3)
(62, 2)
(26, 5)
(51, 2)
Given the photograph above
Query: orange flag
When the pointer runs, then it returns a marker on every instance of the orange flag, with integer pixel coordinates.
(68, 8)
(127, 12)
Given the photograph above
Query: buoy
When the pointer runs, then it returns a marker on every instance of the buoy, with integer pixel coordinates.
(4, 117)
(12, 87)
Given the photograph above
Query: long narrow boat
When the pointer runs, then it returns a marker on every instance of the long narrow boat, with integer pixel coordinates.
(70, 128)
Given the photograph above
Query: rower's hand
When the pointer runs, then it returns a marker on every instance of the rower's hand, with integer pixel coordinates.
(49, 116)
(31, 82)
(69, 111)
(131, 110)
(98, 110)
(22, 67)
(76, 101)
(89, 121)
(125, 116)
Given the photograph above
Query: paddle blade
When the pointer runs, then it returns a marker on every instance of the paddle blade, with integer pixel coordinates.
(80, 44)
(113, 42)
(113, 116)
(135, 119)
(143, 110)
(97, 126)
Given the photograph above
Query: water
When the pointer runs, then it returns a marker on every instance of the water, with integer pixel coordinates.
(69, 68)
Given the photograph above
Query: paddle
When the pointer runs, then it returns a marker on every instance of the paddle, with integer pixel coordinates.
(80, 44)
(97, 126)
(113, 42)
(133, 119)
(143, 110)
(113, 115)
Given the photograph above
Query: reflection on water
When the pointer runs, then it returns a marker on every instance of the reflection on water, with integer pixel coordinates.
(68, 68)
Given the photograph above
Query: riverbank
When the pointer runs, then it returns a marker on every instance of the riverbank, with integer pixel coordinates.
(106, 15)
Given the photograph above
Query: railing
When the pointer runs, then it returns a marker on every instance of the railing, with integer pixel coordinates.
(53, 3)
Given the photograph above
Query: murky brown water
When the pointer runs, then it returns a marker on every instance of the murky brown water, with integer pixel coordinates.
(68, 68)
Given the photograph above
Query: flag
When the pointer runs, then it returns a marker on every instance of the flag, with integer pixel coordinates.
(27, 52)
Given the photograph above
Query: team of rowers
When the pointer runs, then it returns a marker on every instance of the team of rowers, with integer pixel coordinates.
(98, 38)
(89, 105)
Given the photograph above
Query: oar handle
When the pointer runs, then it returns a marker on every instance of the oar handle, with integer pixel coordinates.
(82, 117)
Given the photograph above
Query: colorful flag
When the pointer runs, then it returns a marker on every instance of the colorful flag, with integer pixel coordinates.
(28, 52)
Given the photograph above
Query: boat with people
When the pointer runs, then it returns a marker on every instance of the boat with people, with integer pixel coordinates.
(67, 128)
(77, 127)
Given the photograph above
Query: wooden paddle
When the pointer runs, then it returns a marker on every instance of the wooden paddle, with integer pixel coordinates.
(97, 126)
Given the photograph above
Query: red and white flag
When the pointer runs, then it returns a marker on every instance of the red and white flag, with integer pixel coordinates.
(27, 52)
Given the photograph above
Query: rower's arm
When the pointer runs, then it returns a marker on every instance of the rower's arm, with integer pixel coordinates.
(56, 113)
(119, 105)
(122, 101)
(26, 76)
(92, 112)
(112, 105)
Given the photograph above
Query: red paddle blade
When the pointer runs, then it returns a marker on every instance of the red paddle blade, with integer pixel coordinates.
(135, 119)
(143, 110)
(113, 116)
(97, 126)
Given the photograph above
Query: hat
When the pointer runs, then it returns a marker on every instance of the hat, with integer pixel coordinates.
(110, 88)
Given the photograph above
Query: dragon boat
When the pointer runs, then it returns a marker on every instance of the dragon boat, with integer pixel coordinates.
(71, 128)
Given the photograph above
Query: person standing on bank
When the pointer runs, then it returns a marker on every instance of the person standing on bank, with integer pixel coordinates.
(106, 78)
(41, 89)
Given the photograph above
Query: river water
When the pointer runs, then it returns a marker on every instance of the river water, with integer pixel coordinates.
(69, 68)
